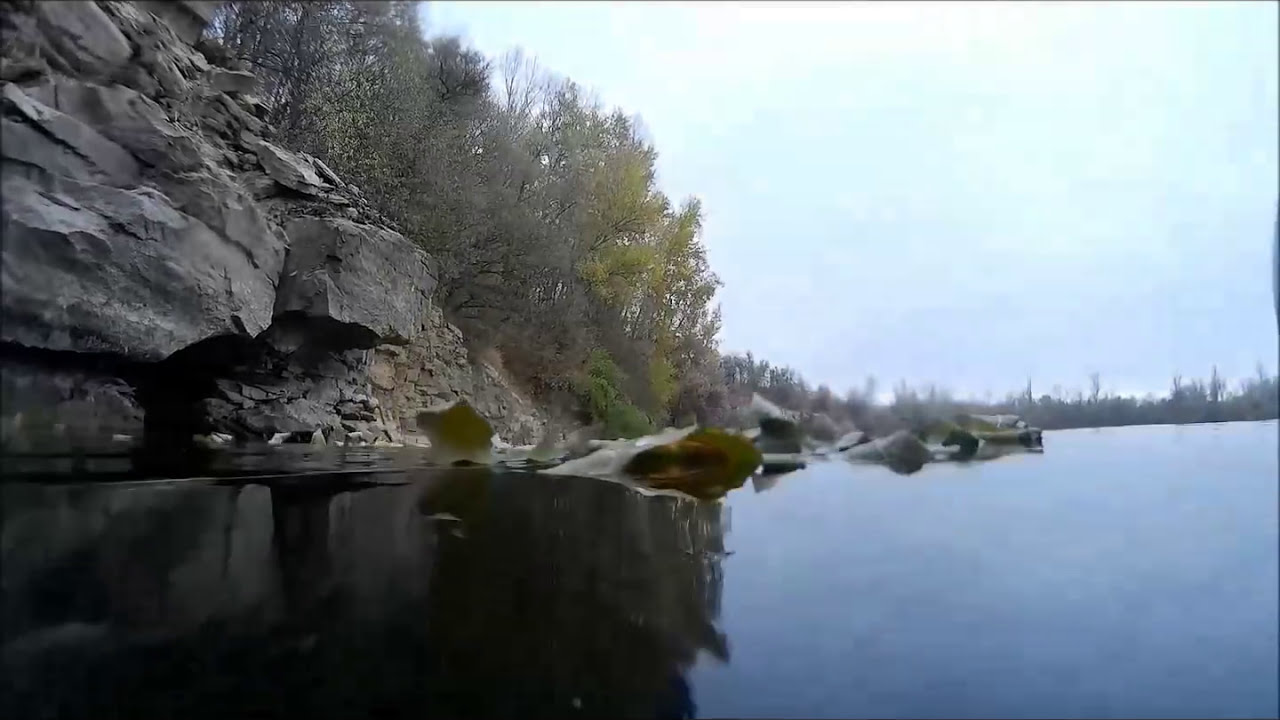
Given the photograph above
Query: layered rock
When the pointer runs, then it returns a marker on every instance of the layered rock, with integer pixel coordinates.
(159, 245)
(435, 369)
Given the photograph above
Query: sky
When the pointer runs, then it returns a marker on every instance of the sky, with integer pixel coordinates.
(971, 194)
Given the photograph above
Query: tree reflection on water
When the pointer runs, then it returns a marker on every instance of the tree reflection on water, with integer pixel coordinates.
(459, 594)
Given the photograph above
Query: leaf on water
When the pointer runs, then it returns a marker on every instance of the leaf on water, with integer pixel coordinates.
(704, 463)
(457, 433)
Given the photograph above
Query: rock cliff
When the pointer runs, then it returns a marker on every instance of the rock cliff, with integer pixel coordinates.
(168, 270)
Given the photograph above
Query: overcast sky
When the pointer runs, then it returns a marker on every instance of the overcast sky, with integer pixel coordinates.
(963, 193)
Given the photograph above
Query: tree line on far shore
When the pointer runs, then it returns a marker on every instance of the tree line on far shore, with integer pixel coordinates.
(1189, 400)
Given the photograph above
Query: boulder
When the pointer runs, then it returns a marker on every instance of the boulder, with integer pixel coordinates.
(366, 285)
(214, 199)
(851, 439)
(92, 268)
(902, 452)
(233, 81)
(820, 426)
(779, 436)
(290, 169)
(186, 18)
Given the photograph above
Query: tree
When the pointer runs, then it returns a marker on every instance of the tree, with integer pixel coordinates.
(551, 240)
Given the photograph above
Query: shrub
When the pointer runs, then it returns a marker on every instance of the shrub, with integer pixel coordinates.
(599, 392)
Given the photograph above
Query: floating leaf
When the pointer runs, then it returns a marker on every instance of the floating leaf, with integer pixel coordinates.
(744, 458)
(704, 463)
(457, 433)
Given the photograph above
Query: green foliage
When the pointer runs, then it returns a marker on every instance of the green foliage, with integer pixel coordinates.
(601, 394)
(540, 207)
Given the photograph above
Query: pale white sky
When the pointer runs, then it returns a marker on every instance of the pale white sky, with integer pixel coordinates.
(966, 193)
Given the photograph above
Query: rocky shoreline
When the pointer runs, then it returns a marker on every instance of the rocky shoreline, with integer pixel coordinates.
(169, 271)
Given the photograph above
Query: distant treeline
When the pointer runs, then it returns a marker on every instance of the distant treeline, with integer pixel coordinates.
(1188, 400)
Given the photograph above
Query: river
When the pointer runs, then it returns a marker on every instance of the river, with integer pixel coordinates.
(1126, 572)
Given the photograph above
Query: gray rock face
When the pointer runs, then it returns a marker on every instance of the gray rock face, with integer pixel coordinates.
(93, 268)
(187, 19)
(126, 117)
(147, 221)
(43, 137)
(83, 36)
(435, 368)
(338, 271)
(286, 168)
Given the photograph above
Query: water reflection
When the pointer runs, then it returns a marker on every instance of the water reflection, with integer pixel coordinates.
(462, 593)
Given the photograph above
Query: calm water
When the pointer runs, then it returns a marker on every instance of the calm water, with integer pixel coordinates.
(1124, 573)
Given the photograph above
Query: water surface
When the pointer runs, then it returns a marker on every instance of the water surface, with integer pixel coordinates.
(1124, 573)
